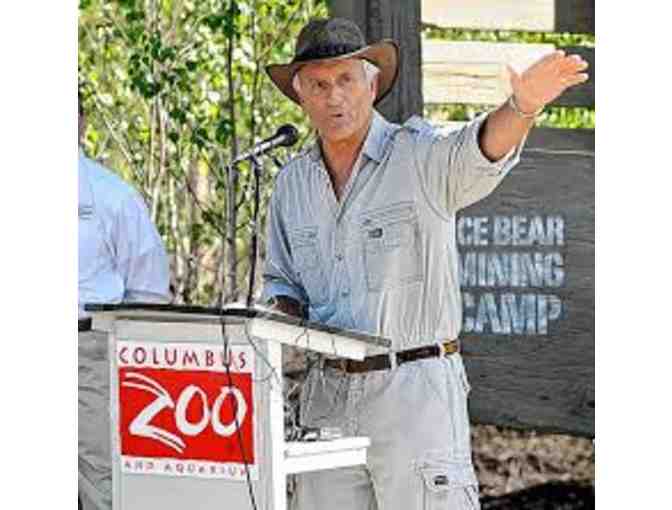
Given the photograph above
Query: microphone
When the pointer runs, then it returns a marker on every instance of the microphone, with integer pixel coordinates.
(285, 136)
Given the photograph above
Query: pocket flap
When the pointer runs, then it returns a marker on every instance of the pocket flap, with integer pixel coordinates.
(304, 236)
(304, 245)
(402, 211)
(448, 476)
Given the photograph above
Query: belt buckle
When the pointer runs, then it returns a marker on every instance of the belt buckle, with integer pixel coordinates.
(449, 347)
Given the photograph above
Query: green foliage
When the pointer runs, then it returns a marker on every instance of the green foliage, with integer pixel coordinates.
(570, 118)
(508, 36)
(172, 89)
(554, 116)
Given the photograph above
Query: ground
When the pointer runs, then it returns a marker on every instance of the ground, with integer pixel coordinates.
(529, 471)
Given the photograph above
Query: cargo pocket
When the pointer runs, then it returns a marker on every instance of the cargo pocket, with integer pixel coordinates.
(306, 254)
(391, 241)
(449, 485)
(458, 365)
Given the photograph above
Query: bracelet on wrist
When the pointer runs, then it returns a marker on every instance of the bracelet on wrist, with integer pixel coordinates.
(514, 106)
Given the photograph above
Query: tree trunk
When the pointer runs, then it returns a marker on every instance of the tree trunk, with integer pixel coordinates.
(398, 20)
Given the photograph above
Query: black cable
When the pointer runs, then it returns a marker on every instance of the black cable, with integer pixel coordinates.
(225, 341)
(255, 229)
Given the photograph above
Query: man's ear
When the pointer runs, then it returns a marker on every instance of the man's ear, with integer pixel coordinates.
(374, 86)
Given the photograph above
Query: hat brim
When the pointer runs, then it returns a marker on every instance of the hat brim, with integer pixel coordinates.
(384, 55)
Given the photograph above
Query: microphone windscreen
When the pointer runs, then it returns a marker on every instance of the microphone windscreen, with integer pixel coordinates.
(290, 134)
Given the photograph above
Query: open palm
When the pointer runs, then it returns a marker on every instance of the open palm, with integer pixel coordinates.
(547, 79)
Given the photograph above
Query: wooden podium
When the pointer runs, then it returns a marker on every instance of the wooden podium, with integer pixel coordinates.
(197, 407)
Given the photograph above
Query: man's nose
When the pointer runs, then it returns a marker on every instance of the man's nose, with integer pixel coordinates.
(336, 95)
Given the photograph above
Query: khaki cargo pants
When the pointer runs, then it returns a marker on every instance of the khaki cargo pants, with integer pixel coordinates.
(420, 453)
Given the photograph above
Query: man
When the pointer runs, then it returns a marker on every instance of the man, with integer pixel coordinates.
(362, 234)
(121, 258)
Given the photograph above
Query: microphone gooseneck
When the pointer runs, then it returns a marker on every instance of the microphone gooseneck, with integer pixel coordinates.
(286, 136)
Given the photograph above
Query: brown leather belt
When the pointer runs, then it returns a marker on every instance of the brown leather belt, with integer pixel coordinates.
(85, 324)
(383, 362)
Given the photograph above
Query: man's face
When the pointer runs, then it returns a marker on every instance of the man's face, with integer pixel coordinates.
(337, 99)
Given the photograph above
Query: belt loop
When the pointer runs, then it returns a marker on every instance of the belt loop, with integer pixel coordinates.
(393, 360)
(442, 349)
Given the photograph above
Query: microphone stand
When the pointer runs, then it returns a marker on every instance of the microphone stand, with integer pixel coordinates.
(255, 228)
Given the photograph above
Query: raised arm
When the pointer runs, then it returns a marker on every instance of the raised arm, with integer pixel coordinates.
(540, 84)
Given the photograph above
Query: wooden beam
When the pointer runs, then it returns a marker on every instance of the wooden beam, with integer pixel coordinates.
(576, 16)
(543, 377)
(554, 141)
(475, 72)
(398, 20)
(354, 10)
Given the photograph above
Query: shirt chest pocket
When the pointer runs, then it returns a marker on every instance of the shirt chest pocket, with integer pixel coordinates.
(305, 245)
(392, 248)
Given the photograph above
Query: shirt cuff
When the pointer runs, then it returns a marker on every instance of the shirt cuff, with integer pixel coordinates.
(494, 168)
(277, 288)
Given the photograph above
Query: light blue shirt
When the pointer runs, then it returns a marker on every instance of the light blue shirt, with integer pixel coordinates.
(121, 255)
(383, 259)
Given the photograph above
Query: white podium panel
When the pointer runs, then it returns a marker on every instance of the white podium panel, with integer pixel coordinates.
(182, 405)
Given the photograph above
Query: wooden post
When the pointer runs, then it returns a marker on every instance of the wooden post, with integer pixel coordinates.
(398, 20)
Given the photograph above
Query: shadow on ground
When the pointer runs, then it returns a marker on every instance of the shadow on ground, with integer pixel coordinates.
(547, 496)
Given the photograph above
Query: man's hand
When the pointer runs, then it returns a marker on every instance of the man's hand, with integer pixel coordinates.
(535, 88)
(546, 80)
(287, 305)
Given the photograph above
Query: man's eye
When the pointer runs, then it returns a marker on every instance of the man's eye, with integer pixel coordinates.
(345, 80)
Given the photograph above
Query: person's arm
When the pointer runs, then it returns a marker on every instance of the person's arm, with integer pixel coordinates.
(547, 79)
(462, 167)
(140, 254)
(282, 289)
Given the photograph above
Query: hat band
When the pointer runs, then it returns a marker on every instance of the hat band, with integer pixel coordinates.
(326, 51)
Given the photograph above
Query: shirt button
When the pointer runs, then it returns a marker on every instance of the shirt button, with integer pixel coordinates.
(345, 293)
(339, 257)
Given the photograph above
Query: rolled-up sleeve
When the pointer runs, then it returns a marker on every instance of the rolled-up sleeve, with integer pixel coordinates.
(279, 276)
(140, 254)
(454, 171)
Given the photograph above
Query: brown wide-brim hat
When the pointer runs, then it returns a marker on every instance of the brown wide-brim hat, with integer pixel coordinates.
(336, 38)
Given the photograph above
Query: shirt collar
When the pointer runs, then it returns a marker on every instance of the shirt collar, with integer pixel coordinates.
(374, 144)
(377, 138)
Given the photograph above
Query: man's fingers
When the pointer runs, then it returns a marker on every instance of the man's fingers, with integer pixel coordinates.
(582, 65)
(573, 63)
(566, 65)
(576, 79)
(550, 59)
(571, 73)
